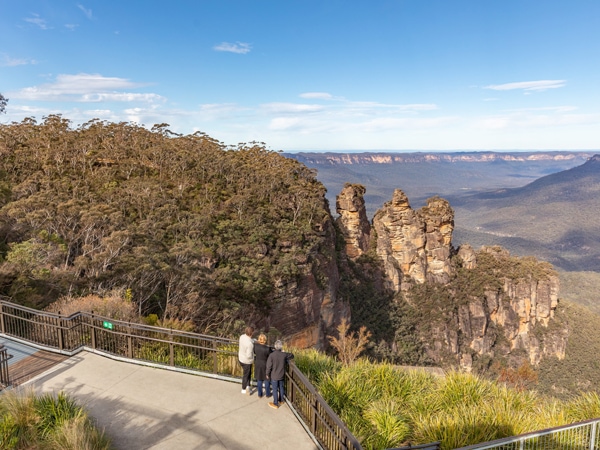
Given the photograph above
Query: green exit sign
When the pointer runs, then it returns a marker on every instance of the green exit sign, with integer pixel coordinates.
(107, 325)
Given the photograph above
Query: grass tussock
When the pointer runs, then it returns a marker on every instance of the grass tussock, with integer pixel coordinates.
(385, 406)
(46, 422)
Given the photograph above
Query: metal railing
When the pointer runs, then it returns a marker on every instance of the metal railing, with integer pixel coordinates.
(577, 436)
(4, 374)
(324, 423)
(173, 349)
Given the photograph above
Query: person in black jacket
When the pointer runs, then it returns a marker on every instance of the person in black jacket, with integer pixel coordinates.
(276, 373)
(262, 352)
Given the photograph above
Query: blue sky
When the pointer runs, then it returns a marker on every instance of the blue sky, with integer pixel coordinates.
(314, 74)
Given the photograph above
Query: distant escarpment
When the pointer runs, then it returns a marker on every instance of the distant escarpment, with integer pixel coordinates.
(468, 307)
(328, 158)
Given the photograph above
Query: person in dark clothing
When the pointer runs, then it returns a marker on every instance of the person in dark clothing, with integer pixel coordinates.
(276, 373)
(262, 352)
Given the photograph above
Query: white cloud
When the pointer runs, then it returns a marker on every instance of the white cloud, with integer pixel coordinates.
(540, 85)
(87, 12)
(85, 87)
(290, 108)
(317, 95)
(120, 97)
(7, 61)
(35, 19)
(238, 47)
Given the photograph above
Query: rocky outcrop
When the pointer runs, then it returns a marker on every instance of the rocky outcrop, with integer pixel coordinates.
(510, 322)
(509, 319)
(414, 246)
(401, 242)
(352, 220)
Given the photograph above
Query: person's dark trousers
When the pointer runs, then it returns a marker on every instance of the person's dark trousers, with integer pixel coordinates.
(247, 369)
(278, 391)
(259, 386)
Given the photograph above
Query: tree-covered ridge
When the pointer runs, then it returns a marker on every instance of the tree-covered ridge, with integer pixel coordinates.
(195, 229)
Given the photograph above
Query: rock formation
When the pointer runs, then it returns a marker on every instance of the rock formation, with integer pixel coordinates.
(353, 222)
(510, 322)
(414, 246)
(508, 319)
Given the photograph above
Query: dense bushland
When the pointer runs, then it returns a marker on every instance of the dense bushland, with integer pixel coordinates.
(191, 228)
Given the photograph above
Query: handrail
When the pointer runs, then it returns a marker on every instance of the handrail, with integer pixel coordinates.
(580, 435)
(4, 374)
(325, 424)
(172, 349)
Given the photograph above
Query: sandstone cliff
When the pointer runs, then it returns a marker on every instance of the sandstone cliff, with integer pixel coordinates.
(496, 306)
(308, 309)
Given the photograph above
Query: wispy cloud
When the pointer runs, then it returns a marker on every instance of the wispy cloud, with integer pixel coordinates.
(87, 12)
(540, 85)
(36, 20)
(7, 61)
(291, 108)
(238, 47)
(85, 87)
(317, 95)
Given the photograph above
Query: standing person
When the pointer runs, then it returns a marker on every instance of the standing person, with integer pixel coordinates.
(246, 357)
(262, 353)
(276, 373)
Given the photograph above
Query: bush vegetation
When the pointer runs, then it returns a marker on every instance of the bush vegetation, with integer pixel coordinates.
(191, 228)
(385, 406)
(46, 422)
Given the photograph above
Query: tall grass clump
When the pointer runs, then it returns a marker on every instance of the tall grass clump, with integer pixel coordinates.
(46, 422)
(314, 364)
(386, 406)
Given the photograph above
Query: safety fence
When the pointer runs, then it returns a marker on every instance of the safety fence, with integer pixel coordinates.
(4, 374)
(577, 436)
(168, 348)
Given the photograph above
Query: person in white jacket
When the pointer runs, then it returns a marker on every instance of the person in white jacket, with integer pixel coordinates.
(246, 357)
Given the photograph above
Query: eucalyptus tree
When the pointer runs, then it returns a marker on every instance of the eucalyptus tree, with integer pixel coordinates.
(3, 102)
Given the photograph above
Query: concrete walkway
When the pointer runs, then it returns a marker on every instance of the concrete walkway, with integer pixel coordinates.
(146, 408)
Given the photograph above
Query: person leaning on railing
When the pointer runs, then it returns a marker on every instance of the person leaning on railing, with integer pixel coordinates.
(276, 373)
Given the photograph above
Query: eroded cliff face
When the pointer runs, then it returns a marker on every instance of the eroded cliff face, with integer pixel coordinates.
(511, 322)
(511, 319)
(352, 220)
(414, 246)
(308, 310)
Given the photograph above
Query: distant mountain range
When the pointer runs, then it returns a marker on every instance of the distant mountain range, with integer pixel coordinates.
(532, 203)
(554, 217)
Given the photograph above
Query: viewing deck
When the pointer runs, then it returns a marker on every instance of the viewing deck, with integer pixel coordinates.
(143, 407)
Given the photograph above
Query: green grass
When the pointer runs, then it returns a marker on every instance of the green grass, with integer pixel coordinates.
(385, 406)
(46, 422)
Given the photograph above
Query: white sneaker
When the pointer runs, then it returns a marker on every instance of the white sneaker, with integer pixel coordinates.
(243, 391)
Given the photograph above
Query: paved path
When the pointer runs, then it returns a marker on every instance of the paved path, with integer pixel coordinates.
(146, 408)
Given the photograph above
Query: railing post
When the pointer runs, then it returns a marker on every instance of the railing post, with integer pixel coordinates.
(215, 357)
(4, 373)
(129, 346)
(61, 337)
(93, 330)
(171, 349)
(593, 436)
(2, 329)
